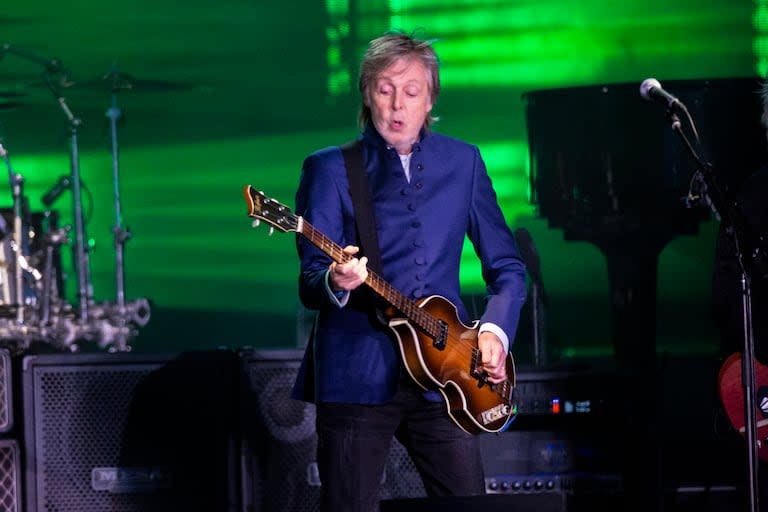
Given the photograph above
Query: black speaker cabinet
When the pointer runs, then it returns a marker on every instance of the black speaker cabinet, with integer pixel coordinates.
(6, 391)
(547, 502)
(279, 469)
(10, 476)
(484, 503)
(130, 432)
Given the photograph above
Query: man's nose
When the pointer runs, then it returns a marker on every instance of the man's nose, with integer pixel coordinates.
(397, 101)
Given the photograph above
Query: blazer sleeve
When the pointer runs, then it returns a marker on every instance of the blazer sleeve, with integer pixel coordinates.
(318, 201)
(502, 267)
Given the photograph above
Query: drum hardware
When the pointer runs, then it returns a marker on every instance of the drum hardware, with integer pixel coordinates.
(16, 182)
(80, 247)
(44, 316)
(51, 241)
(117, 80)
(122, 234)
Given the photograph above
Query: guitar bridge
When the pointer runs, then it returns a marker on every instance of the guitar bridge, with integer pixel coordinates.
(494, 413)
(442, 335)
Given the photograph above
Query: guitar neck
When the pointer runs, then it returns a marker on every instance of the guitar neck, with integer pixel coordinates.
(374, 281)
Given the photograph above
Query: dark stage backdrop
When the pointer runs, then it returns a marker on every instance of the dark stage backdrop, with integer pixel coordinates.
(231, 92)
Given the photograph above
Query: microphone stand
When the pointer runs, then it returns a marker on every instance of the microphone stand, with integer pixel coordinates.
(537, 316)
(530, 258)
(737, 228)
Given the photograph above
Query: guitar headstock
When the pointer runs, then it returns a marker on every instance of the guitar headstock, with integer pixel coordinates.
(266, 209)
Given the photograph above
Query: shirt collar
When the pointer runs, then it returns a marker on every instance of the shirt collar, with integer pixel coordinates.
(371, 135)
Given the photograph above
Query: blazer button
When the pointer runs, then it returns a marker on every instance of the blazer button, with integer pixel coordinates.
(411, 207)
(419, 185)
(418, 243)
(419, 261)
(420, 167)
(416, 224)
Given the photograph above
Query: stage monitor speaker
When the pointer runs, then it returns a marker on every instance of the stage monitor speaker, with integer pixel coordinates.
(130, 432)
(279, 469)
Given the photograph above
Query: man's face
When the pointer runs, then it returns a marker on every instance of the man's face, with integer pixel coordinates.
(400, 101)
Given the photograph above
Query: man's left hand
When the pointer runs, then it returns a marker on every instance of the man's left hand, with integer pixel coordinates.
(494, 356)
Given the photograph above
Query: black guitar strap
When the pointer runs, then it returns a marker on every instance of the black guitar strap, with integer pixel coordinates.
(361, 203)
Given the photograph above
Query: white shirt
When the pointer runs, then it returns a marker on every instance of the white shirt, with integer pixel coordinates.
(406, 161)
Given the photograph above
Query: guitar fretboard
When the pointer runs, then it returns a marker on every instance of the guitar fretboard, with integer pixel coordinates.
(377, 283)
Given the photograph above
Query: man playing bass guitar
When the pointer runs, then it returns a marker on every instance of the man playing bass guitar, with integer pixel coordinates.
(427, 192)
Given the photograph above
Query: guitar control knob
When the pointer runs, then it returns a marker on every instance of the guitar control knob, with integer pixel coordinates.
(550, 485)
(493, 485)
(504, 485)
(527, 485)
(538, 485)
(516, 485)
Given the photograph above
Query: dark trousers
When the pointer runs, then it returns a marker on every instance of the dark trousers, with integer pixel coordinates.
(354, 442)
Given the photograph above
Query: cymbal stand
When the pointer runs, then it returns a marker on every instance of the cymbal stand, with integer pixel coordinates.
(121, 233)
(80, 249)
(16, 182)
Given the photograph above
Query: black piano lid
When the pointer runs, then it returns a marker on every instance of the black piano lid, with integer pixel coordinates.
(602, 155)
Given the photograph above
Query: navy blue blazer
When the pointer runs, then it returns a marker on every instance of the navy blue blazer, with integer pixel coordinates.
(421, 228)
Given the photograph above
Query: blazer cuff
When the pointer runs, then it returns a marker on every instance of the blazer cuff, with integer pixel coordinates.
(495, 329)
(340, 298)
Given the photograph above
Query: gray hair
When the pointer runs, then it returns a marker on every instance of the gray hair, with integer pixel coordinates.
(382, 52)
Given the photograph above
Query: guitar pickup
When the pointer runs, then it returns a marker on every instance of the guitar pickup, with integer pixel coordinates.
(442, 335)
(474, 364)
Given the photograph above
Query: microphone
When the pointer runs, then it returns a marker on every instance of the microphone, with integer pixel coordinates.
(651, 90)
(55, 191)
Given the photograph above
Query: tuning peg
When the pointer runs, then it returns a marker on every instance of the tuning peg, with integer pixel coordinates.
(255, 223)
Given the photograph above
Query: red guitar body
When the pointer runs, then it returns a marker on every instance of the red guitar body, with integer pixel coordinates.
(732, 397)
